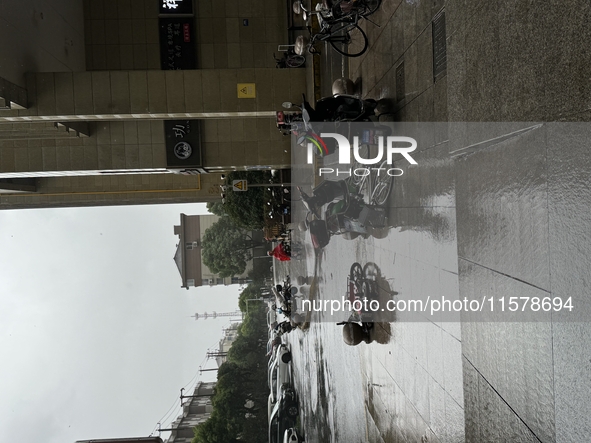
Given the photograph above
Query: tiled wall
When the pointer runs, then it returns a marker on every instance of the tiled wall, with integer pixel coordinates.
(144, 93)
(116, 190)
(123, 34)
(225, 42)
(140, 144)
(235, 141)
(112, 145)
(122, 37)
(244, 141)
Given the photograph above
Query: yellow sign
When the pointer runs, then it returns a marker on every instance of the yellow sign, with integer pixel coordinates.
(246, 90)
(239, 185)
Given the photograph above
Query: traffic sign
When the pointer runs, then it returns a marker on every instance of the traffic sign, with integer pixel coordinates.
(239, 185)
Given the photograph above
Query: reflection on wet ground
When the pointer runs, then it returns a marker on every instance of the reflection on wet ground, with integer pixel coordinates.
(466, 227)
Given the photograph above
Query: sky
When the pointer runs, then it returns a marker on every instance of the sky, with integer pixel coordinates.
(96, 334)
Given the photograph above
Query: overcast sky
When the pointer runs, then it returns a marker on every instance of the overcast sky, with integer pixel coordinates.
(96, 334)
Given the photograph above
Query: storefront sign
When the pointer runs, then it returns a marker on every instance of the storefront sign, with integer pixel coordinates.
(177, 44)
(170, 7)
(183, 143)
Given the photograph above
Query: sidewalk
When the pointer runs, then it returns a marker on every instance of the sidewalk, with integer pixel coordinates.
(511, 219)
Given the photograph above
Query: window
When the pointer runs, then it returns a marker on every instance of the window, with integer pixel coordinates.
(190, 282)
(188, 245)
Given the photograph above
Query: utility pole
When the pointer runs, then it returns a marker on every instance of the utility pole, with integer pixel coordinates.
(188, 396)
(173, 429)
(213, 354)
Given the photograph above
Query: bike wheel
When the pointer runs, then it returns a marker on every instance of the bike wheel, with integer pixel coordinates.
(362, 179)
(371, 271)
(356, 272)
(366, 292)
(368, 7)
(349, 40)
(295, 61)
(382, 185)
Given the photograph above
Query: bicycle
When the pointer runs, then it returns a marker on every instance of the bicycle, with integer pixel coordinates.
(340, 10)
(375, 184)
(364, 8)
(289, 60)
(343, 33)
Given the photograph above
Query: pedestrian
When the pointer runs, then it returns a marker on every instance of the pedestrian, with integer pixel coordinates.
(279, 253)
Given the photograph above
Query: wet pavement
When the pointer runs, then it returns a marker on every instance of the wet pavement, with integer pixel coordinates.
(488, 212)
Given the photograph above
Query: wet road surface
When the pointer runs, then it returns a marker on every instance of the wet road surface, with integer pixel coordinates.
(475, 219)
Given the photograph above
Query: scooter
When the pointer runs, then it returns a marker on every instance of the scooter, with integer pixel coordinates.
(346, 214)
(282, 299)
(285, 120)
(338, 107)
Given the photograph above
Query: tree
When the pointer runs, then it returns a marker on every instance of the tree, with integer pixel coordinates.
(216, 208)
(251, 291)
(261, 270)
(214, 430)
(227, 247)
(241, 392)
(247, 209)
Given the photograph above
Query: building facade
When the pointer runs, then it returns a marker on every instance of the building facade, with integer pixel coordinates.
(196, 410)
(188, 256)
(230, 335)
(110, 129)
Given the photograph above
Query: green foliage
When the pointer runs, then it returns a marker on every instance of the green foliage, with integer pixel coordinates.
(226, 248)
(247, 208)
(214, 430)
(216, 208)
(261, 269)
(251, 291)
(240, 398)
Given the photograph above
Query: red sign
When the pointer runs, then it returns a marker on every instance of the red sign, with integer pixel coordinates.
(187, 32)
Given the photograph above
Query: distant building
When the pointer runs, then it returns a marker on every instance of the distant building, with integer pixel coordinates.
(230, 335)
(188, 256)
(196, 410)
